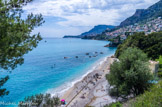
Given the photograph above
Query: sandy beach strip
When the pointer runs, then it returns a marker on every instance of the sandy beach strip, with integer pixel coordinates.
(90, 88)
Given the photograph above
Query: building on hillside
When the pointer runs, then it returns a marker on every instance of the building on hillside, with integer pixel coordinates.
(154, 66)
(123, 37)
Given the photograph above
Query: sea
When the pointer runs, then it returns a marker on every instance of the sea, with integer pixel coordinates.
(53, 67)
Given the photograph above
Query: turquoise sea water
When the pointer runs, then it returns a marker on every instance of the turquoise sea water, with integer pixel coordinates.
(46, 70)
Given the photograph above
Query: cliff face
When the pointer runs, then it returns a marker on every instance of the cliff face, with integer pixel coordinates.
(139, 13)
(142, 15)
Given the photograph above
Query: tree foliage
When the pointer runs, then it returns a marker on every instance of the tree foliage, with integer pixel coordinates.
(114, 104)
(3, 91)
(130, 75)
(15, 34)
(151, 44)
(151, 98)
(159, 73)
(40, 100)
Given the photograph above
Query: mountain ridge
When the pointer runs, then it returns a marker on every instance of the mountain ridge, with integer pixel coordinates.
(98, 29)
(142, 15)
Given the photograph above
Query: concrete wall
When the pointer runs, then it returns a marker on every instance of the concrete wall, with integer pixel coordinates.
(154, 66)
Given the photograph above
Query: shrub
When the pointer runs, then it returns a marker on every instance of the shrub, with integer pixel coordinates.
(160, 74)
(130, 75)
(151, 98)
(116, 104)
(150, 44)
(160, 67)
(40, 99)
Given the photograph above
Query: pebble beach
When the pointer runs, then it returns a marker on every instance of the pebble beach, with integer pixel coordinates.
(92, 90)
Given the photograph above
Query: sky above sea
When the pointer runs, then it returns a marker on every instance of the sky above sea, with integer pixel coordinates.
(73, 17)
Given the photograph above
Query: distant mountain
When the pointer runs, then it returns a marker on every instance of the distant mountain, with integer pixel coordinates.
(97, 30)
(70, 36)
(93, 32)
(142, 15)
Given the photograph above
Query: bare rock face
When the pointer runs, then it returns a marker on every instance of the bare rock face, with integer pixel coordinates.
(133, 19)
(139, 12)
(142, 15)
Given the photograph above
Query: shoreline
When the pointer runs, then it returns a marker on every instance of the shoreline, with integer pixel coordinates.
(82, 92)
(61, 90)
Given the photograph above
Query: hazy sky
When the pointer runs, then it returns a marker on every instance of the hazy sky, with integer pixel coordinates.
(72, 17)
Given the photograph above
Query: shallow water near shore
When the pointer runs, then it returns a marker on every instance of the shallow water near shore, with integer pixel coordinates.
(46, 70)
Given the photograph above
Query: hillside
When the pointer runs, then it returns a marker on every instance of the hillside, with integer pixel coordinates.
(142, 15)
(97, 30)
(93, 32)
(70, 36)
(144, 20)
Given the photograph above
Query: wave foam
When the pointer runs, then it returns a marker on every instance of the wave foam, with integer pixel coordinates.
(66, 86)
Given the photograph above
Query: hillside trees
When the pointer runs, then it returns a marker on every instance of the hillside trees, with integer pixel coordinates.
(129, 75)
(40, 100)
(151, 44)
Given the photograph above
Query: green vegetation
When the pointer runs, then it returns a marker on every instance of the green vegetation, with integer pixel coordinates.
(15, 36)
(3, 91)
(96, 30)
(150, 44)
(116, 104)
(160, 60)
(159, 74)
(40, 99)
(101, 37)
(115, 41)
(97, 37)
(129, 75)
(151, 98)
(160, 67)
(118, 38)
(87, 37)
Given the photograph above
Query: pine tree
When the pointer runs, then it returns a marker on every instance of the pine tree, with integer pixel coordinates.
(15, 35)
